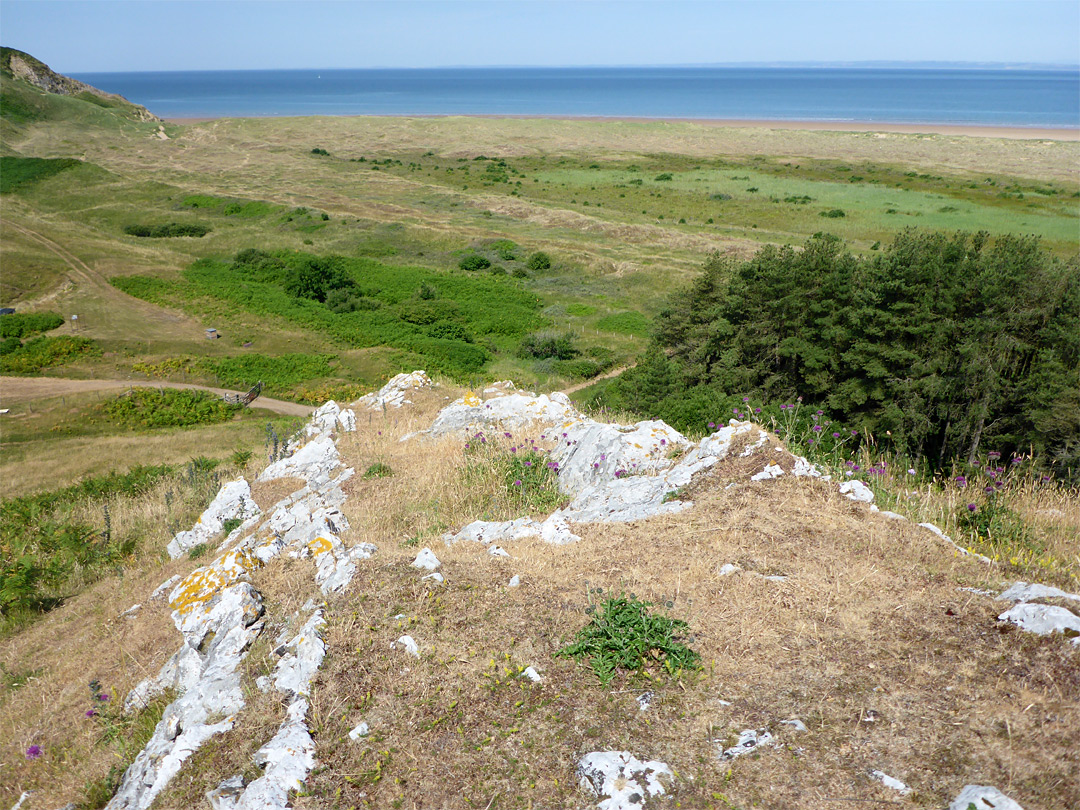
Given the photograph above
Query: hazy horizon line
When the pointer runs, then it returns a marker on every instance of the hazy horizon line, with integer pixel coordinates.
(883, 64)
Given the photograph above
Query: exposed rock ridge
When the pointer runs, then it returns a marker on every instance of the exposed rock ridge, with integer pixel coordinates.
(219, 614)
(33, 71)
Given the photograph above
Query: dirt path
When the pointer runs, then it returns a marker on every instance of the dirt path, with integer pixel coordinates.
(607, 375)
(21, 389)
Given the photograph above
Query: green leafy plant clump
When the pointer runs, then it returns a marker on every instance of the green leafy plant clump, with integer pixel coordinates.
(163, 407)
(25, 324)
(624, 634)
(167, 230)
(45, 352)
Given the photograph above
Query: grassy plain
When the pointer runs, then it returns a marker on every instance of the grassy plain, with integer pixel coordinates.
(869, 620)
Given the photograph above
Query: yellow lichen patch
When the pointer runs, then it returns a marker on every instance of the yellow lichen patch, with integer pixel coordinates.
(199, 587)
(471, 399)
(320, 545)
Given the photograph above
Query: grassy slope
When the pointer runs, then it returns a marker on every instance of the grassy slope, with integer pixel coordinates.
(869, 620)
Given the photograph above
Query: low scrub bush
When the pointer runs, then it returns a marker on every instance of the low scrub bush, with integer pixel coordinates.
(542, 345)
(474, 262)
(167, 407)
(22, 324)
(833, 213)
(167, 231)
(538, 261)
(47, 352)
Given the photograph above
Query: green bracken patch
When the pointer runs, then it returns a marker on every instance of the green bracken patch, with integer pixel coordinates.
(46, 352)
(166, 407)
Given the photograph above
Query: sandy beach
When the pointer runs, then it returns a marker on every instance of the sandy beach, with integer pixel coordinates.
(969, 130)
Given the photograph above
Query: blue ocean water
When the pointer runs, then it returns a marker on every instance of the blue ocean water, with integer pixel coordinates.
(1025, 98)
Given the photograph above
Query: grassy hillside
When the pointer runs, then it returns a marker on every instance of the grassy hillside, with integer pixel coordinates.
(868, 632)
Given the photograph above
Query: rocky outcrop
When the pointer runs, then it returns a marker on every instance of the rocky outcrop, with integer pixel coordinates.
(32, 71)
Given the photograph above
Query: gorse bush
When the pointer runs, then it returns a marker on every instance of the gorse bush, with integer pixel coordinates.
(538, 261)
(624, 634)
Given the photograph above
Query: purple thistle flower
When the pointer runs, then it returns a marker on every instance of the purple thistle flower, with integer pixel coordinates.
(507, 435)
(1046, 479)
(854, 432)
(33, 752)
(712, 425)
(91, 713)
(835, 435)
(517, 483)
(961, 481)
(809, 441)
(663, 442)
(757, 410)
(596, 465)
(746, 399)
(855, 467)
(513, 449)
(1017, 460)
(989, 490)
(817, 428)
(971, 507)
(528, 463)
(104, 697)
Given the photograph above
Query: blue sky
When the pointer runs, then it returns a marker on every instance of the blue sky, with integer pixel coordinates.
(76, 36)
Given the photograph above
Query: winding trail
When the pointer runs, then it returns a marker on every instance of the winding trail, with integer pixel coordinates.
(21, 389)
(607, 375)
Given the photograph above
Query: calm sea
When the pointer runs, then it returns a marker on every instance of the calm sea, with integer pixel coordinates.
(1025, 98)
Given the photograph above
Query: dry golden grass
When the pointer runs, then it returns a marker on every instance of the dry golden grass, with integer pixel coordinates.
(870, 623)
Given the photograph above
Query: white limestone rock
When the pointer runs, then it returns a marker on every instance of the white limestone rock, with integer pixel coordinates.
(361, 730)
(314, 462)
(556, 530)
(930, 527)
(347, 420)
(233, 501)
(394, 394)
(1023, 592)
(498, 551)
(857, 491)
(426, 560)
(727, 569)
(590, 452)
(770, 471)
(487, 532)
(891, 782)
(795, 723)
(324, 419)
(161, 591)
(621, 781)
(302, 659)
(513, 411)
(514, 582)
(750, 740)
(531, 674)
(408, 644)
(227, 794)
(984, 798)
(1044, 620)
(286, 760)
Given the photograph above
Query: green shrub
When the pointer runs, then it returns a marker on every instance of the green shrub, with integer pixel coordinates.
(46, 352)
(504, 249)
(542, 345)
(378, 470)
(168, 407)
(538, 261)
(167, 231)
(21, 324)
(474, 262)
(623, 634)
(663, 177)
(318, 151)
(834, 213)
